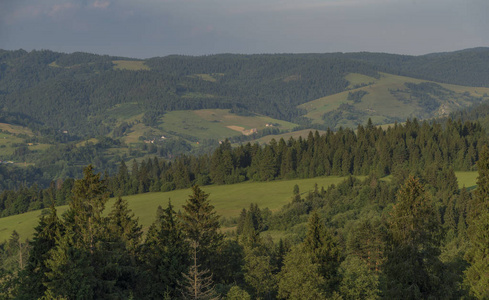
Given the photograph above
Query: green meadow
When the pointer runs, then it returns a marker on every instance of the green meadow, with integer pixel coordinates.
(131, 65)
(215, 123)
(228, 200)
(380, 104)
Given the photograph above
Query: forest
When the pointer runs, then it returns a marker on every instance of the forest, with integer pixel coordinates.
(416, 235)
(78, 109)
(411, 147)
(399, 226)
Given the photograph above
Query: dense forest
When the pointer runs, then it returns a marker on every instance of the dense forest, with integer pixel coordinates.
(57, 92)
(416, 236)
(402, 148)
(403, 230)
(79, 108)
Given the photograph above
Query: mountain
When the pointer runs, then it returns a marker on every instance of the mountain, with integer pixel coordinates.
(68, 110)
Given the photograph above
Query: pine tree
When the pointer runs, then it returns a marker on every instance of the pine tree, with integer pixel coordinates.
(201, 224)
(71, 274)
(164, 255)
(34, 275)
(198, 284)
(76, 263)
(324, 250)
(413, 269)
(477, 275)
(119, 251)
(89, 198)
(301, 277)
(259, 272)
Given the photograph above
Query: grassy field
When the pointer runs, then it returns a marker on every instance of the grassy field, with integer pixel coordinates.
(16, 129)
(215, 123)
(380, 104)
(356, 79)
(467, 179)
(126, 112)
(294, 134)
(132, 65)
(228, 200)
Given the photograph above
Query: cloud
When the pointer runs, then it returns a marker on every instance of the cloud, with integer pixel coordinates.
(100, 4)
(61, 9)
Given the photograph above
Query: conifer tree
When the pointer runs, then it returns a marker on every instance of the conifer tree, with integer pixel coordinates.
(89, 198)
(300, 277)
(119, 251)
(197, 283)
(75, 263)
(164, 255)
(34, 275)
(477, 275)
(413, 269)
(324, 250)
(201, 224)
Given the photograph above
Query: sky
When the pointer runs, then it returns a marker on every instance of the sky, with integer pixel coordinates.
(149, 28)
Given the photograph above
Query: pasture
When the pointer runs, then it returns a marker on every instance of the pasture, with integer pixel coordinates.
(380, 103)
(131, 65)
(228, 200)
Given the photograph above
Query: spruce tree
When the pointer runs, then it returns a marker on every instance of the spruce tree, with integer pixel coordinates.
(165, 256)
(34, 275)
(301, 277)
(119, 251)
(477, 275)
(77, 262)
(324, 250)
(201, 224)
(197, 283)
(413, 269)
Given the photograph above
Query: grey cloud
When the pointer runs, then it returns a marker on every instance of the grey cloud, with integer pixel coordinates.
(146, 28)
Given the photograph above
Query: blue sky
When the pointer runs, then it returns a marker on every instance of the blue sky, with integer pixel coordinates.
(148, 28)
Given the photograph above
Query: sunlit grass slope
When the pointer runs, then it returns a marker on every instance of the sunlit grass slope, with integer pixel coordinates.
(380, 104)
(228, 200)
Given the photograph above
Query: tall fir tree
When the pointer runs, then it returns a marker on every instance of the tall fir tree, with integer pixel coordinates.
(201, 224)
(165, 257)
(76, 265)
(477, 275)
(34, 275)
(413, 269)
(324, 250)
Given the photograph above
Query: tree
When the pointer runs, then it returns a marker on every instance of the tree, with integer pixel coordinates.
(198, 284)
(34, 275)
(300, 278)
(200, 224)
(258, 273)
(164, 256)
(236, 293)
(477, 275)
(413, 269)
(120, 250)
(358, 280)
(89, 198)
(77, 262)
(324, 250)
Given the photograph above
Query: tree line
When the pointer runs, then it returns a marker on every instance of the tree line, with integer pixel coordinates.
(369, 149)
(416, 236)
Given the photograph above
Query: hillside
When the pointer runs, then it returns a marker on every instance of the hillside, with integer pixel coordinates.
(391, 98)
(64, 111)
(228, 200)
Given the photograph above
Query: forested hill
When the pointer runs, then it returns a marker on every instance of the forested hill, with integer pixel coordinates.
(465, 67)
(73, 92)
(60, 112)
(44, 89)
